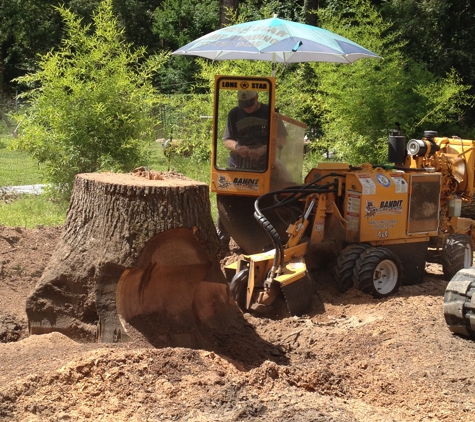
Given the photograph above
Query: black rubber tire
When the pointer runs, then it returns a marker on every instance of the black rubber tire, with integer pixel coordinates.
(345, 264)
(378, 272)
(459, 309)
(238, 288)
(456, 255)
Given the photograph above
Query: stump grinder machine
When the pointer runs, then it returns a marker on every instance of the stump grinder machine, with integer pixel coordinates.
(374, 224)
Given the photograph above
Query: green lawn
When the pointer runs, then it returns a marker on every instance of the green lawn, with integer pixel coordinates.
(16, 167)
(32, 210)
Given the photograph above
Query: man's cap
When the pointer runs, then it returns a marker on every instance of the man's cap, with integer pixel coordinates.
(246, 98)
(246, 95)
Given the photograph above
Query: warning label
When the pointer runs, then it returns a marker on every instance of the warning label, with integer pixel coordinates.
(367, 184)
(401, 185)
(354, 203)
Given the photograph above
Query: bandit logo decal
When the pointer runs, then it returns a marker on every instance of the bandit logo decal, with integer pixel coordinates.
(385, 207)
(244, 183)
(223, 182)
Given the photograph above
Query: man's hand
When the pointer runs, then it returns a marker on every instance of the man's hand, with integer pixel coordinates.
(255, 153)
(242, 150)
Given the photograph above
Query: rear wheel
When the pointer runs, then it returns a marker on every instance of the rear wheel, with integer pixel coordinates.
(457, 254)
(459, 306)
(378, 272)
(238, 288)
(345, 264)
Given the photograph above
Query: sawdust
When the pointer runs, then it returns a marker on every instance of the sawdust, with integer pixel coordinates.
(361, 360)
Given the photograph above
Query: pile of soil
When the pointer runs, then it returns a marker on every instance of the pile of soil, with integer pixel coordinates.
(360, 360)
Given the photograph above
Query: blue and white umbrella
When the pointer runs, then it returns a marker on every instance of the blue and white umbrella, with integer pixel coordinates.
(276, 40)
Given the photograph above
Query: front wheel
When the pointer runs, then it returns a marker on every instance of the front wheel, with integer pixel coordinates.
(378, 272)
(345, 264)
(457, 254)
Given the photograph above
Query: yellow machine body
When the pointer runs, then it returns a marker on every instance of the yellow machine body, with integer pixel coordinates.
(455, 159)
(289, 279)
(384, 206)
(376, 222)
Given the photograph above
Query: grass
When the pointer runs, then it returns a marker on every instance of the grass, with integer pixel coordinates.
(18, 168)
(32, 210)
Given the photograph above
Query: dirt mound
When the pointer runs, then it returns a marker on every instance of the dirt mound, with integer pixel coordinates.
(361, 360)
(165, 384)
(11, 328)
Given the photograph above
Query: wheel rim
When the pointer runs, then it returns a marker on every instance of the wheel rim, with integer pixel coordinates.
(468, 257)
(385, 277)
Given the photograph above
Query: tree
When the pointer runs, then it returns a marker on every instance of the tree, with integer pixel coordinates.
(227, 7)
(29, 28)
(178, 22)
(309, 9)
(359, 104)
(137, 19)
(26, 29)
(90, 104)
(439, 34)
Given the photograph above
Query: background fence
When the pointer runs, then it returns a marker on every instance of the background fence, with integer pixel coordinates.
(18, 168)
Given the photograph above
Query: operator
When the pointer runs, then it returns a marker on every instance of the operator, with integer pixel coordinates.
(247, 132)
(247, 135)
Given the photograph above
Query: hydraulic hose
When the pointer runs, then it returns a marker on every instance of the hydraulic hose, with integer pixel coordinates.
(276, 240)
(293, 195)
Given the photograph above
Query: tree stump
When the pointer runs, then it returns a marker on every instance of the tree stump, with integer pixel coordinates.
(136, 257)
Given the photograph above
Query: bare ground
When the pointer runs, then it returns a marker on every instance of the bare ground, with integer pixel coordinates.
(361, 360)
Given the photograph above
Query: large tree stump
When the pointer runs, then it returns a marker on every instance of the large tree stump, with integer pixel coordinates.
(136, 256)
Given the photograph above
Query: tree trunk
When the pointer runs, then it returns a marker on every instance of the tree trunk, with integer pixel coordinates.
(309, 9)
(9, 125)
(137, 257)
(227, 6)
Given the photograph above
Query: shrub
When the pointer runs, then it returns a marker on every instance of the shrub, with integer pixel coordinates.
(90, 104)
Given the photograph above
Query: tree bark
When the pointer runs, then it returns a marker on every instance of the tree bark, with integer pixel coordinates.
(309, 9)
(135, 253)
(225, 7)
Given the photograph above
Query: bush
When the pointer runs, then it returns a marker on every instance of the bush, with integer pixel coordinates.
(90, 104)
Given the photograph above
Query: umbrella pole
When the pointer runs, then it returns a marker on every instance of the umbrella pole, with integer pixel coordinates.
(273, 65)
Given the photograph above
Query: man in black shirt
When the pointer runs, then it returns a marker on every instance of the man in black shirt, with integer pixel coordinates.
(247, 132)
(246, 135)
